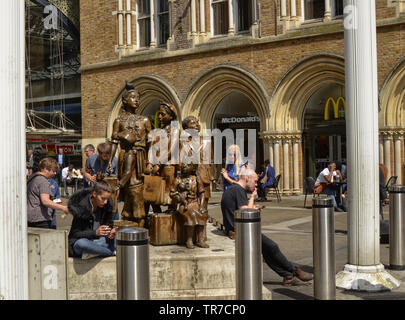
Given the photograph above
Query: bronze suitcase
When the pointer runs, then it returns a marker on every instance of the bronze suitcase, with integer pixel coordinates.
(164, 229)
(154, 189)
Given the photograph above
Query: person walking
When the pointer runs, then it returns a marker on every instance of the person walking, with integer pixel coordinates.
(235, 198)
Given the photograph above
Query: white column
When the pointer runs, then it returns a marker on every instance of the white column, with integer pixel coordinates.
(128, 17)
(296, 165)
(286, 162)
(120, 23)
(13, 198)
(202, 17)
(397, 146)
(231, 29)
(153, 40)
(283, 9)
(271, 153)
(381, 150)
(193, 18)
(293, 10)
(328, 13)
(277, 157)
(364, 270)
(387, 154)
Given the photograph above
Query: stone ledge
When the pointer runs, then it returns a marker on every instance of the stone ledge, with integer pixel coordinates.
(175, 272)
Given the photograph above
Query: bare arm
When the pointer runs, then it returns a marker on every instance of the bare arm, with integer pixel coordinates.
(47, 202)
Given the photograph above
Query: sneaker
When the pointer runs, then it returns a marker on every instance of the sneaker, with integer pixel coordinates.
(337, 209)
(293, 281)
(302, 275)
(86, 256)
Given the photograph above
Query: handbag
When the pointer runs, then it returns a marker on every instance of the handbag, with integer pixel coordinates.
(320, 187)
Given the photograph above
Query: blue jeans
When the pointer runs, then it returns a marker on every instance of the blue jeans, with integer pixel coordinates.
(331, 193)
(102, 246)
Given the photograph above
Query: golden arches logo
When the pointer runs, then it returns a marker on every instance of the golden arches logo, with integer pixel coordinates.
(335, 105)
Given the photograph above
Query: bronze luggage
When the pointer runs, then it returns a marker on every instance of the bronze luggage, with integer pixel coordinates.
(154, 189)
(164, 229)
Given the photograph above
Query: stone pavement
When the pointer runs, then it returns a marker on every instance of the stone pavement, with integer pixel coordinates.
(289, 224)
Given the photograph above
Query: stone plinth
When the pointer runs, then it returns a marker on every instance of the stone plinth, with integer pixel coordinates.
(175, 272)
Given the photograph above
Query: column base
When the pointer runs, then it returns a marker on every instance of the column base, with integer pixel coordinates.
(366, 278)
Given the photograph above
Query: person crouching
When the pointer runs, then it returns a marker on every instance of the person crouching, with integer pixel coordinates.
(92, 233)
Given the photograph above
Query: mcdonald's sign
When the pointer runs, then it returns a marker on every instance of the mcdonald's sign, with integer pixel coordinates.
(336, 112)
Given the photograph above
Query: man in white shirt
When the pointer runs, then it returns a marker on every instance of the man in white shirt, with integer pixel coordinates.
(67, 178)
(328, 176)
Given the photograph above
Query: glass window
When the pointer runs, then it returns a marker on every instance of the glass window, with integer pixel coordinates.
(314, 9)
(163, 17)
(144, 23)
(338, 8)
(221, 16)
(244, 15)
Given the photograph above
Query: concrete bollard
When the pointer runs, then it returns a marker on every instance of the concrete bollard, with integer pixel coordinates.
(133, 264)
(397, 227)
(323, 238)
(248, 255)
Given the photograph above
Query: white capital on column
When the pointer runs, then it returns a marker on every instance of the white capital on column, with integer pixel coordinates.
(13, 193)
(364, 270)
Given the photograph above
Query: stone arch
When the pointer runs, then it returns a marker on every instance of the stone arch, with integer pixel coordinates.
(151, 88)
(297, 85)
(211, 87)
(392, 98)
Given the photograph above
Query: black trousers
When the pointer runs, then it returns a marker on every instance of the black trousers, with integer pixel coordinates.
(275, 259)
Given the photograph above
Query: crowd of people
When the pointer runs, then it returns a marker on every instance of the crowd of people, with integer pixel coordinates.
(92, 231)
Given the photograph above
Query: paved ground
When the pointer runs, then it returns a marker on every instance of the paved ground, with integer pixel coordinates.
(290, 225)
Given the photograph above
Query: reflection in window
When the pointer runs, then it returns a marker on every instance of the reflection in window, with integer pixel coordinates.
(221, 18)
(314, 9)
(144, 23)
(163, 20)
(244, 15)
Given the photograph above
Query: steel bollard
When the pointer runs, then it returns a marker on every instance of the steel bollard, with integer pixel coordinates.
(248, 243)
(397, 227)
(133, 264)
(323, 239)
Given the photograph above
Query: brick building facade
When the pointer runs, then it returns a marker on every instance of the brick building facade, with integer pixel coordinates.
(278, 61)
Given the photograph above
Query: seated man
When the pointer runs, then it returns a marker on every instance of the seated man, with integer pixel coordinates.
(325, 181)
(266, 180)
(235, 198)
(92, 233)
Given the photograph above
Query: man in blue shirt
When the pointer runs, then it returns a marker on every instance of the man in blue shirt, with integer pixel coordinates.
(99, 163)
